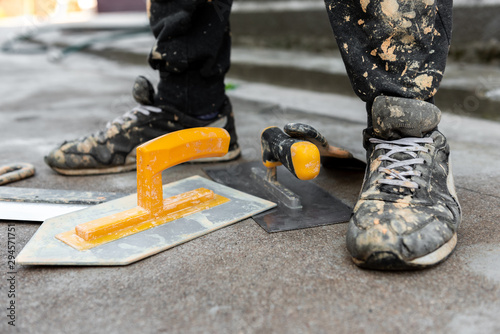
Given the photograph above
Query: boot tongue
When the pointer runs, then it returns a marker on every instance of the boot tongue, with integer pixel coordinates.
(397, 117)
(143, 91)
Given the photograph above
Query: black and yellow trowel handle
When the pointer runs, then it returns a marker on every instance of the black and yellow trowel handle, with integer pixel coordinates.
(300, 157)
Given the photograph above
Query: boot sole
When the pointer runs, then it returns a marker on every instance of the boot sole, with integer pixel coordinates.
(391, 261)
(232, 155)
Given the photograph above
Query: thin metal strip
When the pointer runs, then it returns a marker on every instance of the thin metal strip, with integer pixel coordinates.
(55, 196)
(35, 212)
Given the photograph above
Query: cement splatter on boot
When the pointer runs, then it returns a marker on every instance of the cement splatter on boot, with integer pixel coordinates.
(393, 47)
(407, 214)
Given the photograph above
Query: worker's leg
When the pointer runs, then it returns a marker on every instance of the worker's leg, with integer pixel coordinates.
(191, 53)
(395, 53)
(192, 56)
(393, 47)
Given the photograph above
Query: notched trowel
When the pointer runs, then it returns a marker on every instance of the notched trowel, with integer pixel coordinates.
(126, 230)
(301, 204)
(38, 205)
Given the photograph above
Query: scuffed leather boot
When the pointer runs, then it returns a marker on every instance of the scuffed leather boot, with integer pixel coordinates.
(113, 149)
(407, 214)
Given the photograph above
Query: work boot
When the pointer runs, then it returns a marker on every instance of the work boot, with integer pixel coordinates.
(113, 149)
(407, 214)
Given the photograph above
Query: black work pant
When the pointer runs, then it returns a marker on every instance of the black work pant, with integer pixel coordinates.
(389, 47)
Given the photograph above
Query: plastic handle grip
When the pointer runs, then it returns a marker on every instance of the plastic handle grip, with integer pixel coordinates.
(169, 150)
(300, 157)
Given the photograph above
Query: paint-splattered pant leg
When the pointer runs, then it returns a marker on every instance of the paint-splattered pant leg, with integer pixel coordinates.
(192, 53)
(393, 47)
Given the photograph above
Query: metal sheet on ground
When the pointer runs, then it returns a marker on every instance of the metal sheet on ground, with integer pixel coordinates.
(318, 206)
(37, 205)
(45, 249)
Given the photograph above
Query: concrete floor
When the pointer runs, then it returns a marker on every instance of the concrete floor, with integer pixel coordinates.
(240, 279)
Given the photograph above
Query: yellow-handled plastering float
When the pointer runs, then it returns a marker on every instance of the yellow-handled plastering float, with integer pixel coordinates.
(158, 217)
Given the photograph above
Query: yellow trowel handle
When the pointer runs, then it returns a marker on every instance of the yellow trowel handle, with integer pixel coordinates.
(169, 150)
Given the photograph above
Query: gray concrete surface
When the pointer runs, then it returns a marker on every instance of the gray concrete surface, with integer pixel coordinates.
(240, 279)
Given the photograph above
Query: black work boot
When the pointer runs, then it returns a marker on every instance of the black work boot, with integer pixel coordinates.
(407, 214)
(113, 149)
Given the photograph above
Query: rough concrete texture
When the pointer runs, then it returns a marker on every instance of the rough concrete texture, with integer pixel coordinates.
(241, 279)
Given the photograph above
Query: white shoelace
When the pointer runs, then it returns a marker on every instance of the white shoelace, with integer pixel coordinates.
(408, 146)
(131, 114)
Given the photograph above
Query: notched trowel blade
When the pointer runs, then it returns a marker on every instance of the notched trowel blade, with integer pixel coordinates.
(318, 206)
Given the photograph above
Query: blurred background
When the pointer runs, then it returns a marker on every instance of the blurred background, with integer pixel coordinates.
(59, 9)
(281, 42)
